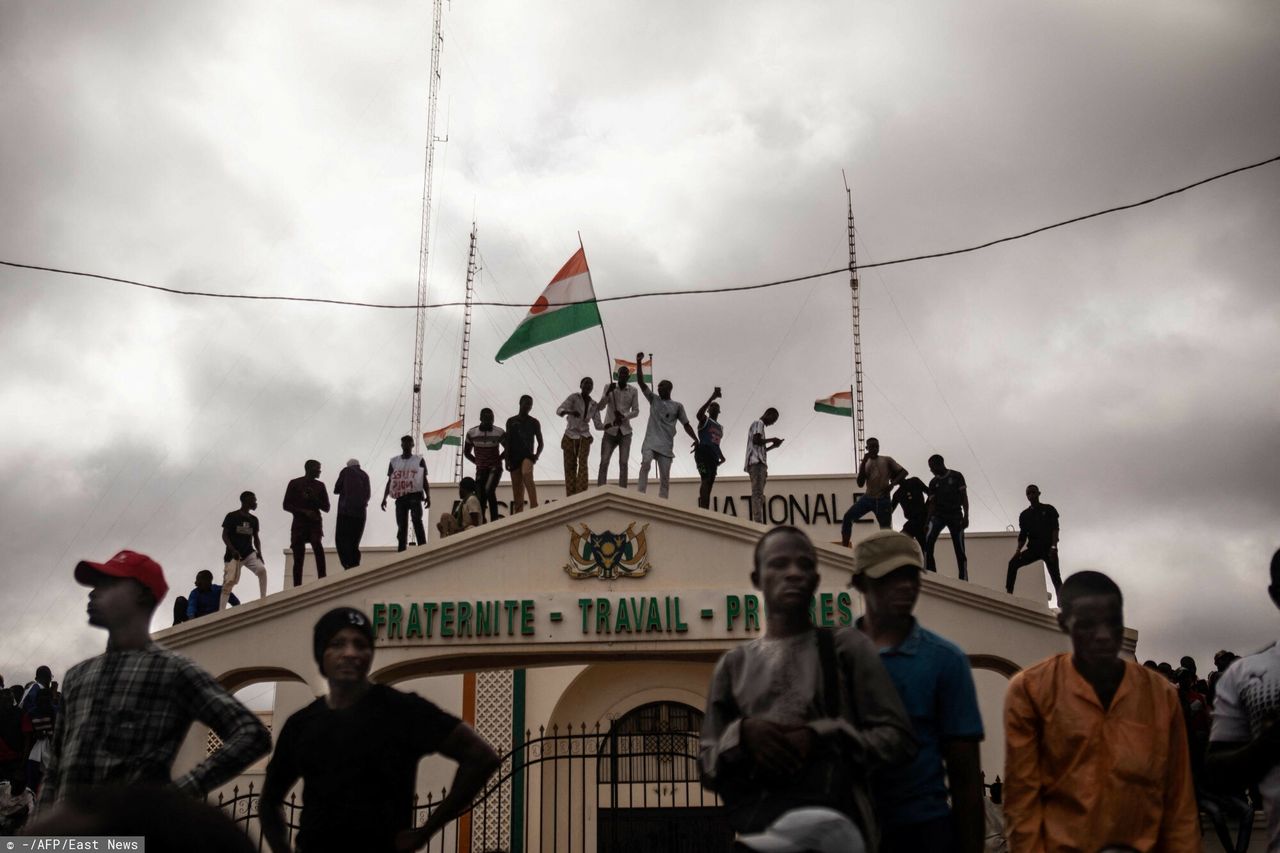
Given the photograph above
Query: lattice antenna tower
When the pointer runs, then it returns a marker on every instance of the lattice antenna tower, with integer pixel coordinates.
(424, 240)
(466, 351)
(859, 428)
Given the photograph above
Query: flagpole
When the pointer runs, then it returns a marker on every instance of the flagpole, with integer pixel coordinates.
(607, 357)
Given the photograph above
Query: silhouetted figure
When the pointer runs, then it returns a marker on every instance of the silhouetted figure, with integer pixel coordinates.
(757, 464)
(1038, 532)
(800, 716)
(127, 711)
(407, 485)
(180, 610)
(523, 447)
(1244, 743)
(660, 434)
(354, 491)
(912, 496)
(1095, 748)
(1221, 660)
(465, 513)
(207, 596)
(242, 548)
(934, 802)
(483, 447)
(618, 407)
(948, 508)
(305, 498)
(578, 410)
(44, 676)
(357, 751)
(878, 474)
(706, 451)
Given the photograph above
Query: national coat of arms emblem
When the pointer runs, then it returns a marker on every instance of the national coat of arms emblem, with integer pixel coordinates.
(608, 555)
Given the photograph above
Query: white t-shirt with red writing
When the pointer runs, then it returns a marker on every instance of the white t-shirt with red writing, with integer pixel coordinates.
(408, 475)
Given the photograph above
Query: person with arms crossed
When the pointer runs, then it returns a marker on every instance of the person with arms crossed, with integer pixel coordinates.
(357, 750)
(1096, 752)
(934, 679)
(305, 498)
(578, 410)
(126, 712)
(878, 474)
(242, 548)
(660, 434)
(483, 448)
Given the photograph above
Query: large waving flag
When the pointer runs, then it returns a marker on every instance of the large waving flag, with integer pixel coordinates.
(840, 403)
(438, 438)
(567, 305)
(631, 366)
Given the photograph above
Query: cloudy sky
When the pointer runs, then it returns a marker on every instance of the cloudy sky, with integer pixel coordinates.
(1128, 364)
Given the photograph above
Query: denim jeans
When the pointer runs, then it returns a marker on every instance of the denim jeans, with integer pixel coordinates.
(882, 507)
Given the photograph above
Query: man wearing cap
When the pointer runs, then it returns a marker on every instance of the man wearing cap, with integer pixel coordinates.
(357, 752)
(305, 498)
(935, 682)
(126, 712)
(798, 717)
(352, 489)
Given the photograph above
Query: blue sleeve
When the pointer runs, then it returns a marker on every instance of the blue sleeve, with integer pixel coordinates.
(233, 601)
(958, 714)
(191, 604)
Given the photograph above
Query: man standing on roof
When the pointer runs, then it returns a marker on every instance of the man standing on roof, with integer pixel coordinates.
(126, 712)
(660, 435)
(243, 548)
(911, 495)
(757, 465)
(407, 485)
(878, 474)
(357, 750)
(578, 410)
(619, 406)
(305, 498)
(353, 491)
(949, 508)
(483, 448)
(523, 447)
(1038, 530)
(706, 453)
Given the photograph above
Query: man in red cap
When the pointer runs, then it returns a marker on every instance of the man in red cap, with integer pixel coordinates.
(126, 712)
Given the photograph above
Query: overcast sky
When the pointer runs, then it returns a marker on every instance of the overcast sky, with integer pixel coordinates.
(1128, 365)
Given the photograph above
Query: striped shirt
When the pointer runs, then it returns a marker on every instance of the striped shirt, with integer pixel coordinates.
(125, 714)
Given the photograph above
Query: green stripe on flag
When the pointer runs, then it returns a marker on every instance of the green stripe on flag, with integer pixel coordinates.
(453, 440)
(549, 326)
(832, 410)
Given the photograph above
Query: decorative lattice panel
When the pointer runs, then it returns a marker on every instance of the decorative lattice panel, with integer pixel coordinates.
(493, 723)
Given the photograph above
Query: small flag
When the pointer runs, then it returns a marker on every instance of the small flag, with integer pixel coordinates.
(567, 305)
(837, 404)
(631, 365)
(438, 438)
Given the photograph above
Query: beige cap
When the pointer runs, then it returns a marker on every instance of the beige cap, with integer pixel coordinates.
(884, 551)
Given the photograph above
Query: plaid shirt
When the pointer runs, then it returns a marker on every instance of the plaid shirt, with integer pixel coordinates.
(125, 714)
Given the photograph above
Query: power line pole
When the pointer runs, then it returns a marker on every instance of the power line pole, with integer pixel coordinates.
(466, 351)
(437, 42)
(858, 425)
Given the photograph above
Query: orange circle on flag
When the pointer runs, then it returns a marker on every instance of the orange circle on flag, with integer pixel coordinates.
(541, 305)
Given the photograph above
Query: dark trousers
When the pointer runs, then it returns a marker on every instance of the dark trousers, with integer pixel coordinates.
(955, 525)
(1035, 552)
(346, 538)
(487, 480)
(881, 507)
(916, 529)
(299, 538)
(931, 836)
(406, 505)
(708, 462)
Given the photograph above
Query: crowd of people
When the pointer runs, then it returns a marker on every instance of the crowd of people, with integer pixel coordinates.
(862, 738)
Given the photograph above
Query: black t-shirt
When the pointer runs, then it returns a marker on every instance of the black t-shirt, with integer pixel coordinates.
(910, 497)
(240, 528)
(1038, 523)
(521, 438)
(948, 493)
(359, 767)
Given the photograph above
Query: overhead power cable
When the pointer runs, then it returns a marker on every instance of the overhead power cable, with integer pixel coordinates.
(660, 293)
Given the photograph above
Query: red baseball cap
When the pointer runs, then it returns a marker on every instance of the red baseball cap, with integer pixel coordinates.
(126, 564)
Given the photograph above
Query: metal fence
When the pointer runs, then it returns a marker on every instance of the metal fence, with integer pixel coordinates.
(573, 790)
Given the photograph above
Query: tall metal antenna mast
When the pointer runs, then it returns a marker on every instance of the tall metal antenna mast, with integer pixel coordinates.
(466, 350)
(437, 42)
(858, 425)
